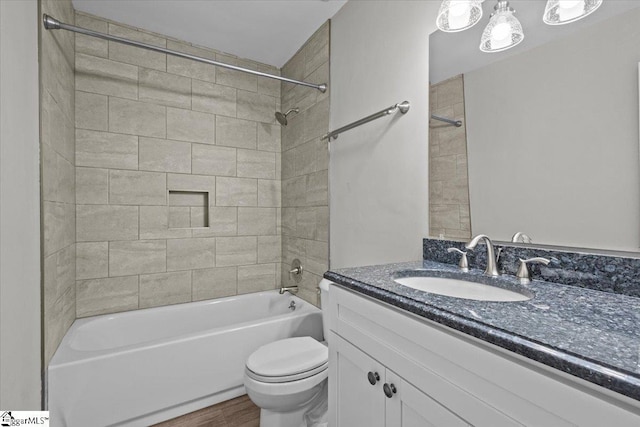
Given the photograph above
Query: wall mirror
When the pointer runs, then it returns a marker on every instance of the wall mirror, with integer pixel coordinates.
(550, 131)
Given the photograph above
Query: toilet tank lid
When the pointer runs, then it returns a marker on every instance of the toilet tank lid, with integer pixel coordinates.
(288, 357)
(324, 285)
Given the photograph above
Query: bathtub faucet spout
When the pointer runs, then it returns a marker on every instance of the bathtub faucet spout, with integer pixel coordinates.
(291, 289)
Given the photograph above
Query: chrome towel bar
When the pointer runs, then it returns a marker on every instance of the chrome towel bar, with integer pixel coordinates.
(51, 23)
(457, 123)
(403, 107)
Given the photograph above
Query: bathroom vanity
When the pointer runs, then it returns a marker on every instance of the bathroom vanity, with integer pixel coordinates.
(403, 357)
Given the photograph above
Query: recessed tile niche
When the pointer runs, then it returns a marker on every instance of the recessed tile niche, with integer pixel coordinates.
(188, 209)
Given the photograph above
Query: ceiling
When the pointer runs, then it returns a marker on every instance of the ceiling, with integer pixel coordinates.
(267, 31)
(451, 54)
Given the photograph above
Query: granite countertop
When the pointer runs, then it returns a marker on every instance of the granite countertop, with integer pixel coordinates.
(587, 333)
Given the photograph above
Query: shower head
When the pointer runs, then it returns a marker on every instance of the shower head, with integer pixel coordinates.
(282, 118)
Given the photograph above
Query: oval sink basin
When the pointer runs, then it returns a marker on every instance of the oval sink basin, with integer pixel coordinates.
(462, 289)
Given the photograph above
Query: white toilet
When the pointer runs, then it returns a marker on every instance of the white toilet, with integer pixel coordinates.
(287, 379)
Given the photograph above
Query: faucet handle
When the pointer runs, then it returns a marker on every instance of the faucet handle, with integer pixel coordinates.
(464, 264)
(523, 269)
(520, 236)
(296, 270)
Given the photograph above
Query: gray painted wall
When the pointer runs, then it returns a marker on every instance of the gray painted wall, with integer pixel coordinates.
(378, 173)
(20, 348)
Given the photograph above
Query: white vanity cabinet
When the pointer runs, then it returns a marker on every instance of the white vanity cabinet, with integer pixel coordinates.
(361, 403)
(374, 396)
(442, 377)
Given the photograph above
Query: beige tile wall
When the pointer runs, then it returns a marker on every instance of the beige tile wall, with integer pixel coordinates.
(57, 146)
(448, 179)
(305, 159)
(148, 124)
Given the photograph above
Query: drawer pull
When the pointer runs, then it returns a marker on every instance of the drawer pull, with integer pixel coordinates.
(373, 377)
(389, 390)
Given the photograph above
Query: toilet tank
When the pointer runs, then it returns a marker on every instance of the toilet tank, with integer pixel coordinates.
(324, 299)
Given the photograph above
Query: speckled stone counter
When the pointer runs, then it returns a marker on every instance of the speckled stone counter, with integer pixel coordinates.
(607, 271)
(587, 333)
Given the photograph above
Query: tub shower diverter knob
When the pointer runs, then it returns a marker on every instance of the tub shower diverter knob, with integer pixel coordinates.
(373, 377)
(296, 270)
(389, 390)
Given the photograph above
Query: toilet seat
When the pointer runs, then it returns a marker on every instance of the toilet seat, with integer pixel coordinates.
(291, 359)
(257, 388)
(287, 378)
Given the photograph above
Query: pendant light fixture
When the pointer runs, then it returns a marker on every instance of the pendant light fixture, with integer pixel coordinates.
(503, 31)
(560, 12)
(458, 15)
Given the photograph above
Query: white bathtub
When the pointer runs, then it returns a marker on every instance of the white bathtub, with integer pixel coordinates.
(141, 367)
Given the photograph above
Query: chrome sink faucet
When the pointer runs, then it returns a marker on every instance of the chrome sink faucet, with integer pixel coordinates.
(492, 268)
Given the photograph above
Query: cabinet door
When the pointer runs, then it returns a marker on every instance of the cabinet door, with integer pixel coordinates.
(353, 400)
(407, 406)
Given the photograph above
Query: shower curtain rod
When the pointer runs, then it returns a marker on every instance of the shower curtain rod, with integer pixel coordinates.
(457, 123)
(51, 23)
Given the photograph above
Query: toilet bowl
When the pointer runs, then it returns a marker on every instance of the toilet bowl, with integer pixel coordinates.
(287, 380)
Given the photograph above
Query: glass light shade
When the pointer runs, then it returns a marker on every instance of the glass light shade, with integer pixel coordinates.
(458, 15)
(559, 12)
(503, 31)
